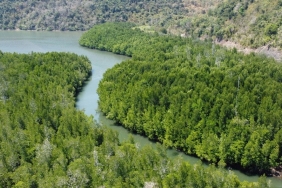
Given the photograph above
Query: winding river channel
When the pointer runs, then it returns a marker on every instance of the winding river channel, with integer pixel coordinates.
(34, 41)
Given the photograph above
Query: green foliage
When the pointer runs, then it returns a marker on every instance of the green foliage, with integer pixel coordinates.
(46, 142)
(271, 29)
(75, 15)
(38, 91)
(193, 96)
(247, 22)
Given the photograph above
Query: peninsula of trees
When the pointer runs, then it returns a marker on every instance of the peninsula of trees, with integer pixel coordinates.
(217, 104)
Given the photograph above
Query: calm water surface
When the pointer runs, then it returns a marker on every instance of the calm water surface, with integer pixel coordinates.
(33, 41)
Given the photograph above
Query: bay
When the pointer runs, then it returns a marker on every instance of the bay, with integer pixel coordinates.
(43, 41)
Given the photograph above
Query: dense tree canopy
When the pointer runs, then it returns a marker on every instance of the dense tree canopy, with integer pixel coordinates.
(46, 142)
(223, 106)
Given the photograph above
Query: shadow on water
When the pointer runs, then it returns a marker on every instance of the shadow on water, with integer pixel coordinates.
(81, 89)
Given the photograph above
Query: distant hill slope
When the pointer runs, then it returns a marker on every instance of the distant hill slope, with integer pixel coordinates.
(82, 15)
(252, 23)
(256, 23)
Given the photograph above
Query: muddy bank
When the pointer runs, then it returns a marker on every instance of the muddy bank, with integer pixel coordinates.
(276, 172)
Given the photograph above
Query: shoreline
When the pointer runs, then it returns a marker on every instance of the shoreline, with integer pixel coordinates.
(276, 172)
(266, 50)
(33, 30)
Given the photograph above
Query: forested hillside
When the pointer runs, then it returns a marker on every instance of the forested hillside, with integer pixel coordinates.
(252, 23)
(223, 106)
(82, 15)
(46, 142)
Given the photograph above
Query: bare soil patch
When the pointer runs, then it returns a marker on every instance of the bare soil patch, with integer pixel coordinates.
(266, 50)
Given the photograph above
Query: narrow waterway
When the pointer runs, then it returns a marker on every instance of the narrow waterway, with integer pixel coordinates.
(32, 41)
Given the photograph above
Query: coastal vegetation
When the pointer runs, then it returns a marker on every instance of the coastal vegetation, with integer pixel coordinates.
(220, 105)
(46, 142)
